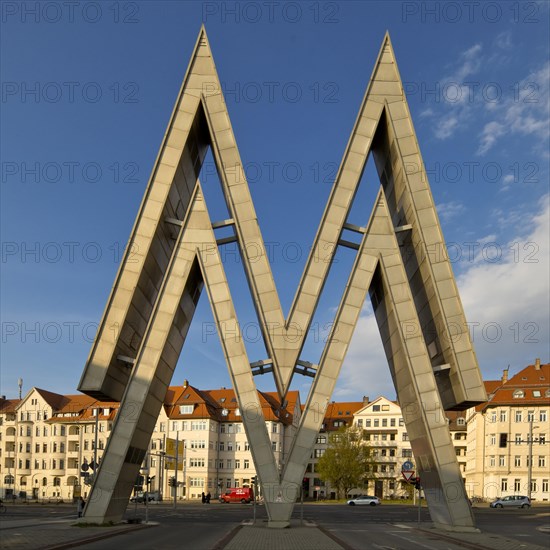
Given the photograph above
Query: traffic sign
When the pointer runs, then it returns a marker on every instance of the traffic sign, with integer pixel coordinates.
(85, 467)
(407, 474)
(407, 466)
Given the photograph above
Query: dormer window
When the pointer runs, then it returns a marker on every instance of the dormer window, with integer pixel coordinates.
(186, 409)
(536, 393)
(460, 421)
(547, 393)
(519, 394)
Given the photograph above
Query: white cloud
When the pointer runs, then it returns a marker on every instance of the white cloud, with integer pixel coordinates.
(445, 127)
(511, 297)
(526, 113)
(448, 210)
(365, 365)
(491, 132)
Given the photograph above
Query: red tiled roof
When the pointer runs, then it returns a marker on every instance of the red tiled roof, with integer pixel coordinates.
(527, 380)
(9, 405)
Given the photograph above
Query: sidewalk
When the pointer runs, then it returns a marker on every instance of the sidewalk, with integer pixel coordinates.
(298, 537)
(32, 534)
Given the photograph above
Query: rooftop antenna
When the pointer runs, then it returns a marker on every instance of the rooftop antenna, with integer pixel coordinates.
(20, 384)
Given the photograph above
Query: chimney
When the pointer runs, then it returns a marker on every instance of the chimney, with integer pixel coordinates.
(185, 383)
(537, 363)
(365, 399)
(504, 378)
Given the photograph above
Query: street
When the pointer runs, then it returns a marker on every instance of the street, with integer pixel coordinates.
(198, 527)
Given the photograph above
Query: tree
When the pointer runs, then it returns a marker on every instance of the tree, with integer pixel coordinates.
(346, 461)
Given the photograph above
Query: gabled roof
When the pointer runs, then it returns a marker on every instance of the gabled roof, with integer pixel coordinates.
(377, 401)
(525, 382)
(54, 400)
(9, 405)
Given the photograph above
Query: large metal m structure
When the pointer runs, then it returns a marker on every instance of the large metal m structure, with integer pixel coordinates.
(400, 260)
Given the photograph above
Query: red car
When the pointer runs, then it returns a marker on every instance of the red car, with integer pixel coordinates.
(237, 494)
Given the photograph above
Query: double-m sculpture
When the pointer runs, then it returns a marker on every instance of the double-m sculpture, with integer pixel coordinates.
(173, 252)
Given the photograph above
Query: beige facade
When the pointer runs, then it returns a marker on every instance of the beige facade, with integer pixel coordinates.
(46, 438)
(509, 437)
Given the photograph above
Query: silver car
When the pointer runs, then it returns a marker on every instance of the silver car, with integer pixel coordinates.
(364, 499)
(515, 501)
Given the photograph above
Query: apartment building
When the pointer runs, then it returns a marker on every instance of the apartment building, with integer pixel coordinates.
(50, 444)
(508, 450)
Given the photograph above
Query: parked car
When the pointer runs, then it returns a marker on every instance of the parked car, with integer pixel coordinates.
(515, 501)
(238, 494)
(140, 496)
(364, 499)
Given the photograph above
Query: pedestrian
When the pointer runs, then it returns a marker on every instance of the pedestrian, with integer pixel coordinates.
(203, 498)
(208, 497)
(80, 506)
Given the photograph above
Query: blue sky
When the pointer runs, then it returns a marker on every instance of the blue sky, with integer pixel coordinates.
(87, 91)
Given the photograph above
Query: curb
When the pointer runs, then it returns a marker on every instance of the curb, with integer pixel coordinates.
(226, 539)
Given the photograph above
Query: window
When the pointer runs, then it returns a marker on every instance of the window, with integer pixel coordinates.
(383, 468)
(376, 408)
(246, 446)
(460, 421)
(246, 463)
(517, 461)
(321, 439)
(536, 393)
(401, 422)
(392, 437)
(384, 422)
(385, 407)
(493, 417)
(530, 416)
(491, 461)
(318, 453)
(360, 423)
(274, 446)
(517, 439)
(504, 484)
(517, 485)
(196, 481)
(518, 394)
(406, 453)
(198, 444)
(534, 486)
(162, 427)
(493, 439)
(376, 423)
(501, 460)
(405, 436)
(367, 423)
(542, 462)
(543, 416)
(518, 417)
(542, 439)
(392, 422)
(503, 416)
(392, 452)
(237, 464)
(196, 462)
(197, 425)
(544, 485)
(274, 427)
(229, 464)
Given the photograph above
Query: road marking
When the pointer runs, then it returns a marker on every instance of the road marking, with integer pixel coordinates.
(401, 526)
